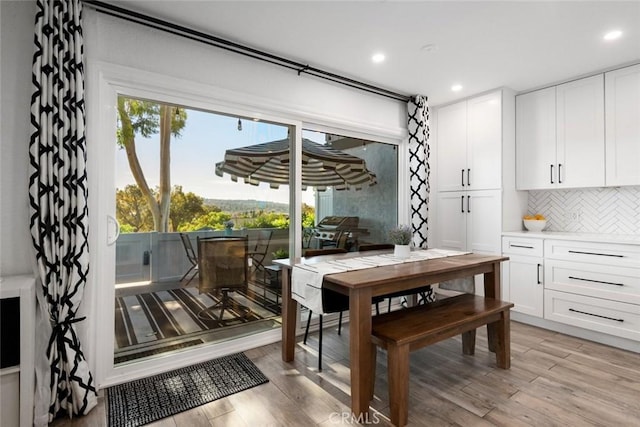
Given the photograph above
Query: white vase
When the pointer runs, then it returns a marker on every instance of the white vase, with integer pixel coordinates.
(401, 251)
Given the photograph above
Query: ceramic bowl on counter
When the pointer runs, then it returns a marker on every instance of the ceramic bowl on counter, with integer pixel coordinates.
(534, 224)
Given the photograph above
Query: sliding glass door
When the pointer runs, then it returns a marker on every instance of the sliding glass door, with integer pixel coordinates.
(180, 181)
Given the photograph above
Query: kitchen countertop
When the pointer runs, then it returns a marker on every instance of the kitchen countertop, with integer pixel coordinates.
(627, 239)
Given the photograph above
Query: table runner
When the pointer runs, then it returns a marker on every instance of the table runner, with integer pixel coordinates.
(306, 279)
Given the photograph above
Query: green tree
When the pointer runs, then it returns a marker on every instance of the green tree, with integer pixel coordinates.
(213, 220)
(308, 216)
(185, 208)
(145, 118)
(132, 210)
(134, 215)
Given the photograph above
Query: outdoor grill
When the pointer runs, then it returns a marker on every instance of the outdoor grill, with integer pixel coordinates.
(327, 231)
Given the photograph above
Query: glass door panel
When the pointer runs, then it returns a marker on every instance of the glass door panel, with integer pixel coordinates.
(175, 192)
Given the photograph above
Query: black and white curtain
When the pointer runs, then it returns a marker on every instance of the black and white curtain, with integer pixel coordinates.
(58, 200)
(418, 126)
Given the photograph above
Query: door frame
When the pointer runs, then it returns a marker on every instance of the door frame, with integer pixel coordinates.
(104, 83)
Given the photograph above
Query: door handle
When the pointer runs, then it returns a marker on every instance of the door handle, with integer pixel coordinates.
(462, 176)
(468, 204)
(462, 204)
(469, 177)
(112, 223)
(551, 174)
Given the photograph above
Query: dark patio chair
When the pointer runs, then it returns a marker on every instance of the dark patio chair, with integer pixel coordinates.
(191, 256)
(223, 265)
(259, 251)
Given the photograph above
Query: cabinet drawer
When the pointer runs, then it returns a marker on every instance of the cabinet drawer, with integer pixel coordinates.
(609, 317)
(601, 281)
(522, 246)
(595, 253)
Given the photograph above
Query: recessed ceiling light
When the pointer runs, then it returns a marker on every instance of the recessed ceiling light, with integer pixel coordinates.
(431, 47)
(456, 88)
(612, 35)
(378, 57)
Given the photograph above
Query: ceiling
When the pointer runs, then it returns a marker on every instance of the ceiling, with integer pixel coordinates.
(479, 45)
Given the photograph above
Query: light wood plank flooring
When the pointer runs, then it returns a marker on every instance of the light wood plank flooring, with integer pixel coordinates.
(554, 380)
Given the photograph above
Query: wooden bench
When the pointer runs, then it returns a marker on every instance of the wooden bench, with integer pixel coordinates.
(402, 331)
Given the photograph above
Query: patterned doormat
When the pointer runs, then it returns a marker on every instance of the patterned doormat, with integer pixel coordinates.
(146, 400)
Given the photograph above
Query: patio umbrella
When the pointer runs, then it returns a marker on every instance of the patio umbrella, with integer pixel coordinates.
(322, 166)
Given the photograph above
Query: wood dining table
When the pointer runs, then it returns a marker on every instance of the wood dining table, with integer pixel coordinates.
(362, 285)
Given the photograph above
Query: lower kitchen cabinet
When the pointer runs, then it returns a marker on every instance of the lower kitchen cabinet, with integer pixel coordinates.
(591, 285)
(523, 282)
(596, 314)
(526, 289)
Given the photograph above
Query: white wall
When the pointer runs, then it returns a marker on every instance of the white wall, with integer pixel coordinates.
(242, 83)
(115, 41)
(16, 51)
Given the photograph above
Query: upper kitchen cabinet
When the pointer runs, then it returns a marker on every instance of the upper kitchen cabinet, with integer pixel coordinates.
(470, 144)
(622, 101)
(560, 136)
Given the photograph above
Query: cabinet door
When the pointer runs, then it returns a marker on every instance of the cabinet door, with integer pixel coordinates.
(622, 92)
(484, 226)
(452, 143)
(580, 133)
(536, 139)
(451, 226)
(484, 142)
(526, 289)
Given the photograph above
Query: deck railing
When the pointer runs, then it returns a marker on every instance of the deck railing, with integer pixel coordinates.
(160, 257)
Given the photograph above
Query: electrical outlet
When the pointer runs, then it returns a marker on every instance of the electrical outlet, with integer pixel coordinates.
(573, 215)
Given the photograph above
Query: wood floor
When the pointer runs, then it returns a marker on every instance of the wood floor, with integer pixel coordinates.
(554, 380)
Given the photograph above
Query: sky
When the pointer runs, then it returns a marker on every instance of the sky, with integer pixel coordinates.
(202, 144)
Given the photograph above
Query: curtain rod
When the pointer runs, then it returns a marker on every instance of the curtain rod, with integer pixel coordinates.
(211, 40)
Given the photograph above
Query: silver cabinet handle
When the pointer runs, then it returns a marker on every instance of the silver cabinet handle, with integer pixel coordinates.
(539, 281)
(520, 246)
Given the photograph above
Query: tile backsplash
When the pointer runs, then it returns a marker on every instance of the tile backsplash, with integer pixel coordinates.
(590, 210)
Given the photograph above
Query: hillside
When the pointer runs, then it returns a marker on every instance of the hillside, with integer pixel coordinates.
(233, 206)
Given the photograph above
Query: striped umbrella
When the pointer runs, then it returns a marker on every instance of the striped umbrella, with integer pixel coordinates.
(322, 166)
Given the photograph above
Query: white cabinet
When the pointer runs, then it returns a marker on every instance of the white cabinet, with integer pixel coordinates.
(17, 382)
(469, 220)
(560, 136)
(622, 100)
(523, 282)
(593, 285)
(469, 135)
(566, 283)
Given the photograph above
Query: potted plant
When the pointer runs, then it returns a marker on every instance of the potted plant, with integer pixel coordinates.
(228, 227)
(280, 254)
(401, 236)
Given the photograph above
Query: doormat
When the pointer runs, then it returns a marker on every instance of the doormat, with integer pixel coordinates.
(147, 400)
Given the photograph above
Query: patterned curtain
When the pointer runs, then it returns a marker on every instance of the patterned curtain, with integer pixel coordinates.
(418, 126)
(58, 197)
